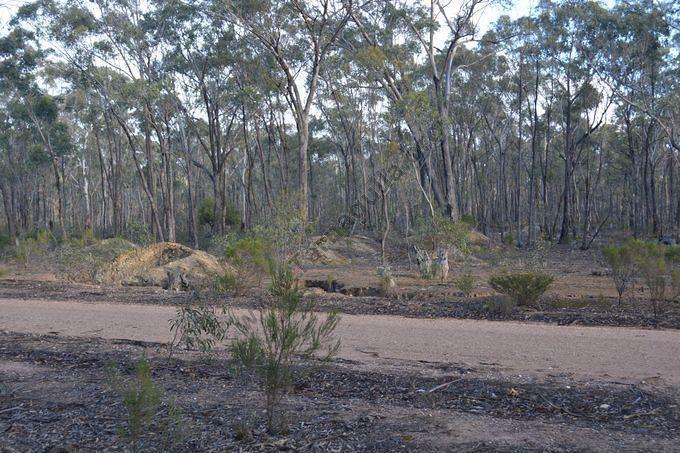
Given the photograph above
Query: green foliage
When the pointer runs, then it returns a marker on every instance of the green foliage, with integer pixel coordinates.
(226, 283)
(287, 233)
(33, 248)
(232, 215)
(509, 239)
(248, 256)
(5, 241)
(621, 260)
(465, 283)
(650, 259)
(442, 233)
(285, 329)
(197, 326)
(675, 283)
(469, 220)
(525, 288)
(673, 254)
(141, 399)
(139, 233)
(206, 211)
(83, 259)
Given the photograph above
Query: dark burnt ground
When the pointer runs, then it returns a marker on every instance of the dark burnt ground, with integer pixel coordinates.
(55, 393)
(586, 311)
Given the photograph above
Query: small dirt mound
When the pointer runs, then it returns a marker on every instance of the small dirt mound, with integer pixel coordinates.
(331, 251)
(159, 264)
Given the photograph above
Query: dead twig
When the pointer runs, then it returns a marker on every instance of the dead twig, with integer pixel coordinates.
(563, 409)
(10, 409)
(441, 386)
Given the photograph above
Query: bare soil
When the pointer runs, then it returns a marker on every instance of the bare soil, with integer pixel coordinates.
(423, 303)
(56, 397)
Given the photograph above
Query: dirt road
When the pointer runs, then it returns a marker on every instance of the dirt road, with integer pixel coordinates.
(602, 353)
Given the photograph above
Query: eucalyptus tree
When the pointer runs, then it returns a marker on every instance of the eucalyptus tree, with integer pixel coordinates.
(299, 35)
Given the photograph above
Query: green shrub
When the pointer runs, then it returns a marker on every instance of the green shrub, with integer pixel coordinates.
(141, 400)
(650, 259)
(139, 233)
(524, 288)
(232, 215)
(206, 211)
(33, 249)
(675, 283)
(673, 254)
(509, 239)
(469, 220)
(226, 283)
(286, 329)
(621, 260)
(5, 241)
(465, 283)
(442, 233)
(197, 327)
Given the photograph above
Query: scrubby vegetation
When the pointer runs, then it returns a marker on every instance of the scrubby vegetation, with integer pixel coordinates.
(142, 399)
(651, 263)
(525, 288)
(465, 283)
(287, 328)
(197, 326)
(622, 264)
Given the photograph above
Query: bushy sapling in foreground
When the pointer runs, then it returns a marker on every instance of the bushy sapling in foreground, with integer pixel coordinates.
(286, 329)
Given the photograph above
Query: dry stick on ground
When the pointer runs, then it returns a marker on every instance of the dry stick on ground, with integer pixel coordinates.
(441, 386)
(565, 410)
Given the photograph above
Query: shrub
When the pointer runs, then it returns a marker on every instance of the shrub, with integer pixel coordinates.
(286, 328)
(673, 254)
(650, 259)
(33, 248)
(197, 327)
(524, 288)
(465, 283)
(141, 400)
(248, 256)
(286, 237)
(139, 233)
(469, 220)
(226, 283)
(509, 239)
(621, 260)
(5, 241)
(675, 283)
(206, 211)
(232, 215)
(442, 233)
